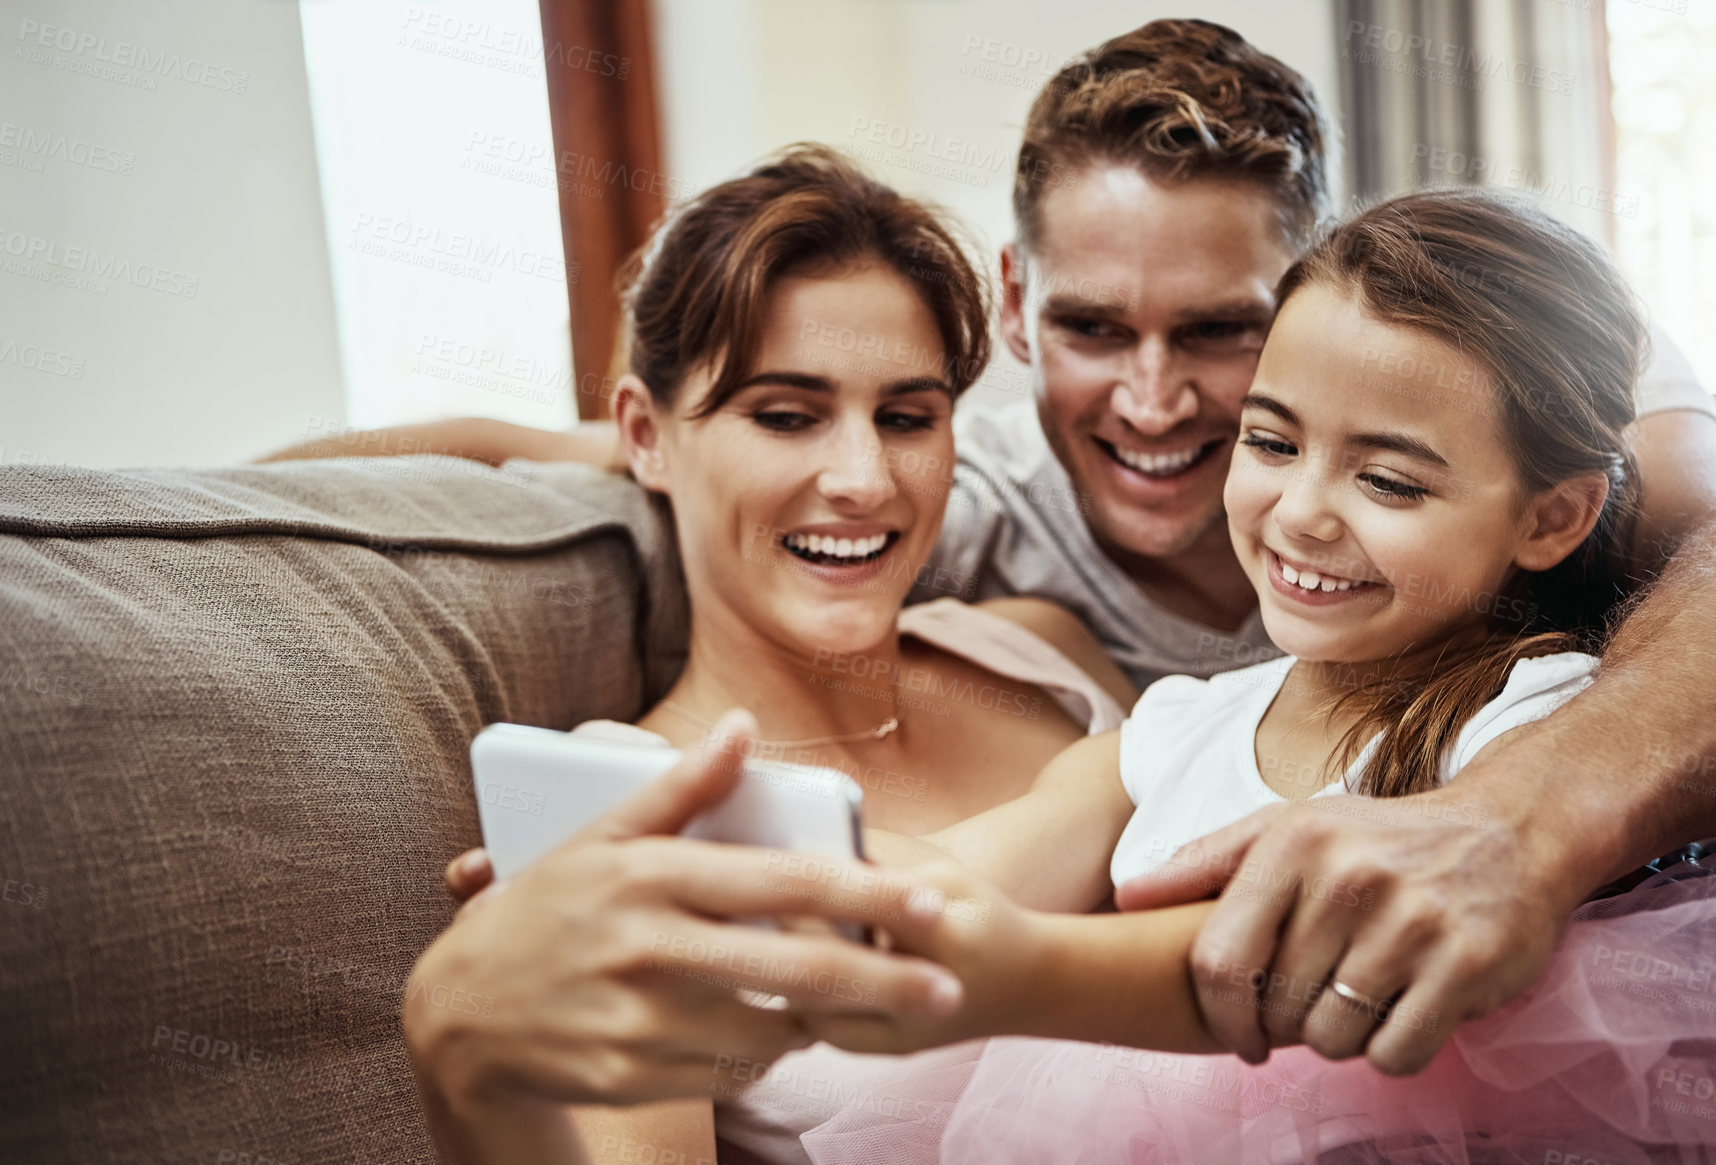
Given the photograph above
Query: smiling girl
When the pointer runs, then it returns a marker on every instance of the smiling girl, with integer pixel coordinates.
(1430, 496)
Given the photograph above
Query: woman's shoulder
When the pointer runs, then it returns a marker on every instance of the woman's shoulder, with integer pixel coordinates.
(1031, 640)
(1068, 634)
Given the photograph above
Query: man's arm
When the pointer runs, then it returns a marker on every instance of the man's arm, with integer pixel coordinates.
(475, 438)
(1676, 454)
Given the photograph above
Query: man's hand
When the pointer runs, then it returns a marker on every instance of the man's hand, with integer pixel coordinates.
(1424, 909)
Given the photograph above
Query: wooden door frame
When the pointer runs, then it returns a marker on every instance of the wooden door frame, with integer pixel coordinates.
(599, 62)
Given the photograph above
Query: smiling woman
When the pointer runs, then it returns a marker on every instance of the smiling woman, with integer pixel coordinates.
(799, 336)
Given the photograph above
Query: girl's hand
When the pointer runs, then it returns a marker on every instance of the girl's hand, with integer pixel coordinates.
(1000, 950)
(604, 974)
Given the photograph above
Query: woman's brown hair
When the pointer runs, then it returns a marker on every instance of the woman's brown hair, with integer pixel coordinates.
(1544, 312)
(697, 289)
(1180, 99)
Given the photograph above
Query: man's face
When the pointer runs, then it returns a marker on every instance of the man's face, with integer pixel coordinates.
(1141, 311)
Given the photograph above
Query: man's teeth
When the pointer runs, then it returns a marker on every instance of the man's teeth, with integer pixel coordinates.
(1310, 580)
(1161, 464)
(836, 547)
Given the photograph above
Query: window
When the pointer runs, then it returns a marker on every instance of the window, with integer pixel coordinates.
(1665, 118)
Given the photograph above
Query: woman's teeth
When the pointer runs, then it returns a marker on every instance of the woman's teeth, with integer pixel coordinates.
(842, 550)
(1158, 464)
(1310, 580)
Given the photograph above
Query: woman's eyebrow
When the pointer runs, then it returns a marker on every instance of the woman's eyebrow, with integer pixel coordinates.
(813, 383)
(917, 384)
(790, 380)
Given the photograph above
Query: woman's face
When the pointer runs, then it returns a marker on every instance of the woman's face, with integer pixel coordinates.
(807, 503)
(1372, 498)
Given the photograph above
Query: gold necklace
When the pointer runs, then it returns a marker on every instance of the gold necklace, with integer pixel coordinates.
(882, 730)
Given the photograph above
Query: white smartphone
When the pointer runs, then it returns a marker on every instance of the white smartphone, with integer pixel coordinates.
(536, 787)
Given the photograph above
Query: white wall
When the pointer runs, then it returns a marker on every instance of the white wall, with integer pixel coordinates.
(951, 80)
(160, 234)
(438, 181)
(218, 185)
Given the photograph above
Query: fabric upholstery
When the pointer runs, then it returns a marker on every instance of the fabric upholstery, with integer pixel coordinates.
(235, 708)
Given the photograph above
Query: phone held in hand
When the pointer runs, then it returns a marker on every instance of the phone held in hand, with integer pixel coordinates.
(537, 787)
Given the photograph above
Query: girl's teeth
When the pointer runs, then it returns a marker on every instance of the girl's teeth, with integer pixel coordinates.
(1310, 580)
(843, 548)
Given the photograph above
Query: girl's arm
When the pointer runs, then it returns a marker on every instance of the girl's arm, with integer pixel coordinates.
(1047, 849)
(1103, 978)
(680, 1131)
(500, 1132)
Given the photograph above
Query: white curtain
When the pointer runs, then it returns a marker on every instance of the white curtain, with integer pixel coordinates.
(1511, 94)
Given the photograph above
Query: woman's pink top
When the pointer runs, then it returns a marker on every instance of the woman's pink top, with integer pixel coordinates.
(802, 1090)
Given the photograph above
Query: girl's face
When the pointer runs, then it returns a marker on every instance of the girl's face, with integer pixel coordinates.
(1372, 498)
(806, 504)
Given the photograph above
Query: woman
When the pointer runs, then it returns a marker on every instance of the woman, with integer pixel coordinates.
(798, 338)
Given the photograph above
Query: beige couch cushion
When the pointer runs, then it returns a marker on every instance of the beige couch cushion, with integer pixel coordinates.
(234, 713)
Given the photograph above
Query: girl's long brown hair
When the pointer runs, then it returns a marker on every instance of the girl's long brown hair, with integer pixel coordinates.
(1541, 308)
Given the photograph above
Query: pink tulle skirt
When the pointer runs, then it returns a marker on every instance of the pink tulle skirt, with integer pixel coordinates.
(1609, 1059)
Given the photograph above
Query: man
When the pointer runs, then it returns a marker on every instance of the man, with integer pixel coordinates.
(1165, 183)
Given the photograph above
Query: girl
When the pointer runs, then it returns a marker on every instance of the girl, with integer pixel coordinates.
(1431, 496)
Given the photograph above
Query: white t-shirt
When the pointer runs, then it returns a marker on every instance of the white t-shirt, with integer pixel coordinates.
(1016, 526)
(1188, 754)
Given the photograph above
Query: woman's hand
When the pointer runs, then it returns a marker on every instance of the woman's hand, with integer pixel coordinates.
(469, 874)
(603, 974)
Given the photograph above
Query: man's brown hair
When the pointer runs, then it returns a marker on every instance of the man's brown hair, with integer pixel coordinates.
(1181, 99)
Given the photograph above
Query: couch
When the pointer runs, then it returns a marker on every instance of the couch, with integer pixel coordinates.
(234, 712)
